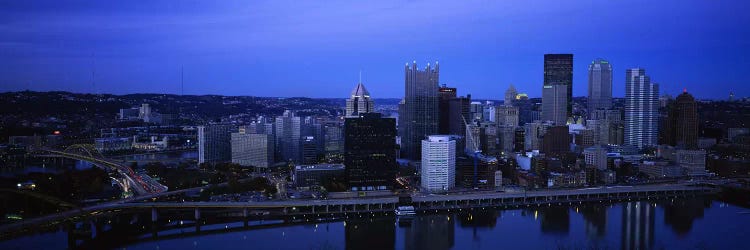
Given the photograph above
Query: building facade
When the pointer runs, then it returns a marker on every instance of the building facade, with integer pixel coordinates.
(600, 85)
(288, 134)
(420, 117)
(558, 70)
(370, 152)
(438, 170)
(554, 101)
(251, 149)
(214, 143)
(641, 109)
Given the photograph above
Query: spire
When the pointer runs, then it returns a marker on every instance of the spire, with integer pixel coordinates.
(360, 76)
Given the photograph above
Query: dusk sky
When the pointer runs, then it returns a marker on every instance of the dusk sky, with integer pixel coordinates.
(317, 48)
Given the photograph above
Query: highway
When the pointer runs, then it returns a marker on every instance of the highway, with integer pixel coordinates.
(141, 183)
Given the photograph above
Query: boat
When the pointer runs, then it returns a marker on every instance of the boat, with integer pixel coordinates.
(405, 211)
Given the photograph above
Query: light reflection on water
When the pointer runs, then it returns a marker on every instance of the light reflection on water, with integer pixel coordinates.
(681, 224)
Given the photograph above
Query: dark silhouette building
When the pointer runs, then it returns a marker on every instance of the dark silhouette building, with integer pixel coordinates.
(556, 140)
(370, 152)
(558, 70)
(685, 121)
(445, 95)
(419, 116)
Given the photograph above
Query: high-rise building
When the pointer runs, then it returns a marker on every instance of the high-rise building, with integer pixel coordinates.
(214, 143)
(334, 137)
(477, 111)
(506, 136)
(554, 101)
(533, 133)
(445, 95)
(420, 117)
(510, 95)
(459, 115)
(556, 140)
(288, 134)
(641, 109)
(596, 156)
(252, 149)
(506, 115)
(600, 85)
(359, 101)
(438, 169)
(685, 121)
(309, 150)
(558, 70)
(370, 152)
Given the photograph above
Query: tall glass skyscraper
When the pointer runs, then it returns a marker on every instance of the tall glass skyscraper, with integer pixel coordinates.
(641, 109)
(420, 110)
(288, 132)
(558, 70)
(600, 85)
(214, 143)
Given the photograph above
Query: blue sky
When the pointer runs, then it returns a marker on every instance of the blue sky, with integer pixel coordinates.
(317, 48)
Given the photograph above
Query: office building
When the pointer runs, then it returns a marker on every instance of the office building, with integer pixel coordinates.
(288, 134)
(685, 121)
(359, 102)
(309, 149)
(554, 101)
(641, 109)
(252, 149)
(556, 140)
(214, 143)
(445, 95)
(370, 152)
(558, 70)
(438, 169)
(334, 137)
(600, 85)
(596, 156)
(506, 116)
(317, 175)
(693, 161)
(510, 95)
(420, 116)
(459, 115)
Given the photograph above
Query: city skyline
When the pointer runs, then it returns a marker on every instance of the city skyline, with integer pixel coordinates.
(170, 43)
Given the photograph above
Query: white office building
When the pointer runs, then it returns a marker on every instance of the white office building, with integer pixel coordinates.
(438, 170)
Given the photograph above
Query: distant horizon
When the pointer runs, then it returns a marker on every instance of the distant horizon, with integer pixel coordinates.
(311, 97)
(269, 48)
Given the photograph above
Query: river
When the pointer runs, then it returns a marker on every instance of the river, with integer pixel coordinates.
(687, 223)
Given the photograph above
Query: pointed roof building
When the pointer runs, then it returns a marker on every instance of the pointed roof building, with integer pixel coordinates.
(359, 102)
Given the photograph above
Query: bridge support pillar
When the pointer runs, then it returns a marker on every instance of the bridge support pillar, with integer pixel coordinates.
(197, 214)
(245, 213)
(154, 215)
(312, 208)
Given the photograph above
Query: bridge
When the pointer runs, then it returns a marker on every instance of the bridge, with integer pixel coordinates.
(142, 184)
(338, 208)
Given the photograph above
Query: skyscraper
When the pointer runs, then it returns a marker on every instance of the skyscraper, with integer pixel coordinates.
(554, 101)
(370, 152)
(438, 171)
(506, 115)
(252, 149)
(685, 121)
(359, 101)
(445, 95)
(600, 85)
(288, 133)
(641, 109)
(558, 70)
(510, 95)
(420, 117)
(214, 143)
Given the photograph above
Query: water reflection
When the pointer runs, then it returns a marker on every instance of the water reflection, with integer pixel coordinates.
(371, 233)
(595, 220)
(555, 220)
(680, 214)
(630, 225)
(637, 225)
(434, 231)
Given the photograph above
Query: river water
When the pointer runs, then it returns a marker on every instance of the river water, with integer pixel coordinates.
(688, 223)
